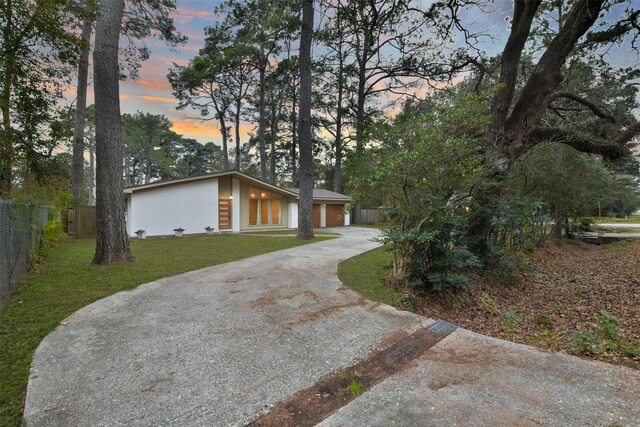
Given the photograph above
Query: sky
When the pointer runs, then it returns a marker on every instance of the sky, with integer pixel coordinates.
(151, 92)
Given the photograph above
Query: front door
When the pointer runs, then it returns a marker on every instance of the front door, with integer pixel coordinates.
(224, 214)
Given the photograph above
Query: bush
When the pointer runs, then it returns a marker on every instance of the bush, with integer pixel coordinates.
(431, 257)
(423, 170)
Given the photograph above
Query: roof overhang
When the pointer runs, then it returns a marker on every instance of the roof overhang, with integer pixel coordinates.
(233, 173)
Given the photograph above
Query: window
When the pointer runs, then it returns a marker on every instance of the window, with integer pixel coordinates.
(264, 207)
(275, 211)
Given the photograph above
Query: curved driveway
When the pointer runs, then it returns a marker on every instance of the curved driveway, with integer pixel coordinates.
(221, 345)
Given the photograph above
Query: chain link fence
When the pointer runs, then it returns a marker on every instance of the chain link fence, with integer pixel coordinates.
(21, 229)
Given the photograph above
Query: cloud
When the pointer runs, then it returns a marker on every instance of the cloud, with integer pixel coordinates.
(191, 48)
(170, 60)
(202, 130)
(184, 15)
(208, 130)
(153, 84)
(157, 99)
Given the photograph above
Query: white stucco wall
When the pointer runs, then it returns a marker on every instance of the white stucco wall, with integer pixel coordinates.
(192, 206)
(293, 215)
(347, 218)
(130, 230)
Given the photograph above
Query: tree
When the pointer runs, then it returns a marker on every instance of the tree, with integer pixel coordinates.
(336, 72)
(288, 75)
(515, 121)
(305, 222)
(199, 86)
(515, 125)
(394, 45)
(140, 19)
(78, 147)
(219, 78)
(238, 84)
(150, 147)
(90, 144)
(260, 27)
(36, 53)
(198, 159)
(422, 169)
(112, 243)
(571, 184)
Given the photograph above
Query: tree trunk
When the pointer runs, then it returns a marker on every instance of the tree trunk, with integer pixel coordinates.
(547, 74)
(148, 162)
(275, 124)
(507, 133)
(294, 139)
(261, 121)
(237, 117)
(362, 80)
(77, 169)
(337, 169)
(225, 148)
(305, 224)
(92, 174)
(112, 243)
(6, 151)
(272, 162)
(523, 14)
(556, 233)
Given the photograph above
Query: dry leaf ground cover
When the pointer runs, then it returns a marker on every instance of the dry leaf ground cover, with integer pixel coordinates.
(575, 298)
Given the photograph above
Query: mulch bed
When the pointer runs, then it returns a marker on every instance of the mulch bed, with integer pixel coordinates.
(556, 304)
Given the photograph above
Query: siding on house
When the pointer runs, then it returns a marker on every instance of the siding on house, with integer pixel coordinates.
(192, 206)
(194, 203)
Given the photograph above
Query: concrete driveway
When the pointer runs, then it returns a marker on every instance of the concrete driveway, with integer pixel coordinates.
(223, 345)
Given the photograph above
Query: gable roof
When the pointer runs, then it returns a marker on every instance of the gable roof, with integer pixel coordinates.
(318, 194)
(322, 194)
(208, 176)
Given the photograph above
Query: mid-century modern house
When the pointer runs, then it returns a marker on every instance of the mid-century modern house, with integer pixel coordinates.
(226, 201)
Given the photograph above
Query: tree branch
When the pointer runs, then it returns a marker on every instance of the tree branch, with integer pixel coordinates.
(603, 114)
(585, 143)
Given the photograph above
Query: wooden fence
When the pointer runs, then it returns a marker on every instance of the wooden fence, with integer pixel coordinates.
(81, 222)
(367, 216)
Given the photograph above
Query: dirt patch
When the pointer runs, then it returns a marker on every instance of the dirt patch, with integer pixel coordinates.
(316, 315)
(310, 406)
(270, 300)
(557, 304)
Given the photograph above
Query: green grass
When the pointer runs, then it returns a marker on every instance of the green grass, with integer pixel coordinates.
(606, 219)
(364, 274)
(617, 230)
(355, 388)
(66, 282)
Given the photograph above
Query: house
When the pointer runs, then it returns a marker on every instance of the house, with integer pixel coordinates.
(226, 201)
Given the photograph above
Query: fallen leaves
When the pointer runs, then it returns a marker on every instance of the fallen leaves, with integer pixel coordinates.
(564, 294)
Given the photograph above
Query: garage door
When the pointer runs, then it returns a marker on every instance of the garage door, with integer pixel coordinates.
(335, 215)
(316, 216)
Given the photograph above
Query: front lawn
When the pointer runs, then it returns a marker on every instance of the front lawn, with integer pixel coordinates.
(576, 298)
(364, 273)
(67, 282)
